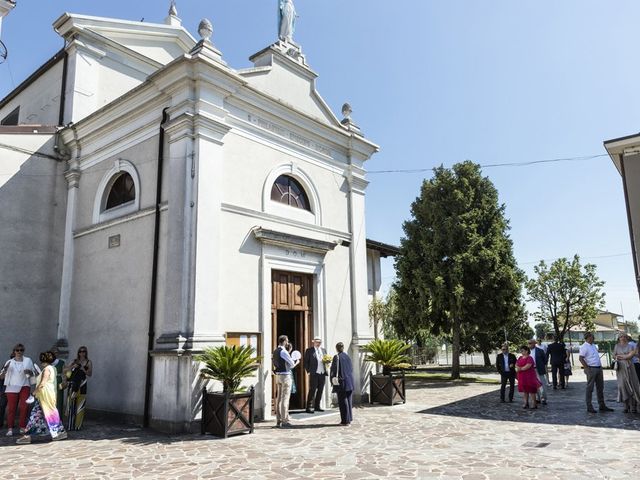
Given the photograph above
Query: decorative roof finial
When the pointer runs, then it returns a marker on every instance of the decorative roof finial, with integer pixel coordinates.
(172, 9)
(205, 30)
(346, 112)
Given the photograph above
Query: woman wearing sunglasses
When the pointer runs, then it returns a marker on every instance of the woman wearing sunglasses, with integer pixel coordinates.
(17, 373)
(77, 373)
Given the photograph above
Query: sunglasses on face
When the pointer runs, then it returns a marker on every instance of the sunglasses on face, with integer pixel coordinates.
(82, 351)
(19, 350)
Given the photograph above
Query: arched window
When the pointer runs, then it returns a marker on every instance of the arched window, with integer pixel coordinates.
(122, 191)
(118, 193)
(288, 190)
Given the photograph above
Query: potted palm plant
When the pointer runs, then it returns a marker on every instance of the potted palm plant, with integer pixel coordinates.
(389, 387)
(229, 412)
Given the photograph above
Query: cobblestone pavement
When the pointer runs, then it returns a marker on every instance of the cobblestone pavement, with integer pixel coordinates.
(445, 431)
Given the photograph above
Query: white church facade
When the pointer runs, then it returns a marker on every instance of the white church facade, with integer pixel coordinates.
(155, 201)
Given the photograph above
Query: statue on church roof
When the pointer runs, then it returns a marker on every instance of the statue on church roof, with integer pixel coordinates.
(172, 8)
(286, 20)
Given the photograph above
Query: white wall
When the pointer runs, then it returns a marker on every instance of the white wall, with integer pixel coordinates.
(111, 289)
(40, 102)
(32, 207)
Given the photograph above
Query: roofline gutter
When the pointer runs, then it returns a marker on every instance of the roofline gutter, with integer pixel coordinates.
(628, 208)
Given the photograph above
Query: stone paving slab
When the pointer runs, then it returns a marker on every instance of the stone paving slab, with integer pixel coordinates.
(445, 431)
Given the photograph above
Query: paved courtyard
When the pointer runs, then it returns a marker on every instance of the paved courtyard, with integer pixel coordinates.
(445, 431)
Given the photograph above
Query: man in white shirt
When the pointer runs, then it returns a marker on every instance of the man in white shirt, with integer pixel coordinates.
(317, 371)
(282, 365)
(540, 365)
(590, 360)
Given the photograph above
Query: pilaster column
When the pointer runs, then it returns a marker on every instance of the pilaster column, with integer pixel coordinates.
(361, 329)
(72, 175)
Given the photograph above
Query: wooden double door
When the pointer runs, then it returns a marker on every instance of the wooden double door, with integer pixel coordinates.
(292, 315)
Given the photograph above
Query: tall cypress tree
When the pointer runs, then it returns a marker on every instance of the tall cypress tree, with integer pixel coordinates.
(456, 271)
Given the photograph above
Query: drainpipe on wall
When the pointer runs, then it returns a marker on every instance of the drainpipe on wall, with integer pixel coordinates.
(154, 274)
(63, 89)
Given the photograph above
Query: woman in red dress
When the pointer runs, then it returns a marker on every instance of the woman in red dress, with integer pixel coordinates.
(528, 382)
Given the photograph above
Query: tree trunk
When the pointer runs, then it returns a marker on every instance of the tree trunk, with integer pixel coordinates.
(455, 351)
(375, 328)
(487, 359)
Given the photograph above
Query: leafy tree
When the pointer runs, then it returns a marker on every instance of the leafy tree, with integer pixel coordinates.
(514, 331)
(542, 329)
(456, 272)
(381, 312)
(568, 294)
(632, 328)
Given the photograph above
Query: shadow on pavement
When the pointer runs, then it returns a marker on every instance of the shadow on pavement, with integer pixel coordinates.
(565, 407)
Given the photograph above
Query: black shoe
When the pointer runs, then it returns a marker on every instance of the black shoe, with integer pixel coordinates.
(605, 409)
(511, 400)
(555, 388)
(308, 410)
(319, 410)
(591, 410)
(502, 400)
(544, 402)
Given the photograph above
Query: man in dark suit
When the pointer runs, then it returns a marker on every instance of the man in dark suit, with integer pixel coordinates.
(557, 352)
(506, 365)
(342, 370)
(317, 371)
(540, 360)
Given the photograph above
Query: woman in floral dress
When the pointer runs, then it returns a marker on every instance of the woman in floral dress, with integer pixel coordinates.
(44, 415)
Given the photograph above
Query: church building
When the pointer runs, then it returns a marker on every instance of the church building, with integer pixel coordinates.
(155, 201)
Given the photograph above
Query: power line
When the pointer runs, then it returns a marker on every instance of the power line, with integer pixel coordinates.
(494, 165)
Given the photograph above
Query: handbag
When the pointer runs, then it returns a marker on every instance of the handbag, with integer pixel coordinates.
(335, 381)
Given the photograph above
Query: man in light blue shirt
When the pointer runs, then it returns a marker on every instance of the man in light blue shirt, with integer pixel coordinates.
(282, 365)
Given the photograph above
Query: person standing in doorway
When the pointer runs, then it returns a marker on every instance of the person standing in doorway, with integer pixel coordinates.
(343, 384)
(317, 371)
(557, 354)
(506, 365)
(282, 364)
(540, 364)
(590, 360)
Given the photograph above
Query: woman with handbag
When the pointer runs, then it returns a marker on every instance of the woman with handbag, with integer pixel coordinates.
(343, 384)
(18, 373)
(45, 418)
(628, 385)
(77, 374)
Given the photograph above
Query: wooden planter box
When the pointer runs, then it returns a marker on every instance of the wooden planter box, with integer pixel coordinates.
(226, 414)
(387, 389)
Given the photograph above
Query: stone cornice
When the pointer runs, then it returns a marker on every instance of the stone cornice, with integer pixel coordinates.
(287, 240)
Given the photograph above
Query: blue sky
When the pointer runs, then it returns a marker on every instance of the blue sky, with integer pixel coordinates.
(437, 82)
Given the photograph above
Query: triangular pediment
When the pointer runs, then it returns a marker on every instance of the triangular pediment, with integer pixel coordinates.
(281, 72)
(159, 43)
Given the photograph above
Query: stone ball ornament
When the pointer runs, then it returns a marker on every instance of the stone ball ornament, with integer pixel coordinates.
(205, 29)
(346, 110)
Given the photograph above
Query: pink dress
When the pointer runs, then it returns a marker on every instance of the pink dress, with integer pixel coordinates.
(527, 380)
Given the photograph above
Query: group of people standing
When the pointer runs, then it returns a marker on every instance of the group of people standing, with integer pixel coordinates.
(530, 369)
(318, 366)
(37, 393)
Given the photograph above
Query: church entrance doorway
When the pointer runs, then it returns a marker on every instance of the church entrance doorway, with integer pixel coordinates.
(292, 315)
